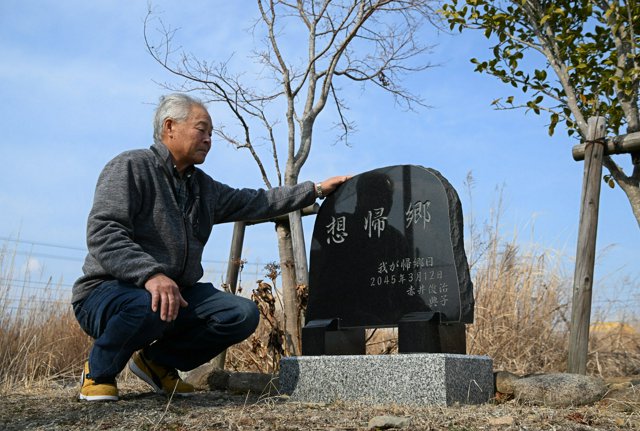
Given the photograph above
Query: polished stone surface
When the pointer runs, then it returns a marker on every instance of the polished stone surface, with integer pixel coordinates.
(389, 243)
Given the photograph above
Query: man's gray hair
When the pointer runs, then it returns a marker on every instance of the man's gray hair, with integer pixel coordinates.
(175, 106)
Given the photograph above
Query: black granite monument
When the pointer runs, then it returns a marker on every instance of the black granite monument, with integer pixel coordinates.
(388, 250)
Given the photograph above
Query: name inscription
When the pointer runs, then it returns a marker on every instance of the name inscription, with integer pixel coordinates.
(416, 277)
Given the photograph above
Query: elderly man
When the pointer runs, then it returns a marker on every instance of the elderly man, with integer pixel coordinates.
(140, 297)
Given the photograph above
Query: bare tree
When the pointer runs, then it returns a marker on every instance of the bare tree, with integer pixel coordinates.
(367, 41)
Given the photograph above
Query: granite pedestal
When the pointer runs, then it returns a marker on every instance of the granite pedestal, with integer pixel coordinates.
(414, 379)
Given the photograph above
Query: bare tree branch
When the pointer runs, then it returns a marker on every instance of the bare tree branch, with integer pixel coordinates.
(366, 41)
(345, 125)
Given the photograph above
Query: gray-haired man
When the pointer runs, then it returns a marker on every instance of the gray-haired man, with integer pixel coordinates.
(140, 297)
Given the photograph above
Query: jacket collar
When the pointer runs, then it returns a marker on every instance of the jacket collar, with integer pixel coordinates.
(166, 158)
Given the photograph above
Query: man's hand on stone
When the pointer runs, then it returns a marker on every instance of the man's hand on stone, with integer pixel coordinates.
(330, 184)
(165, 296)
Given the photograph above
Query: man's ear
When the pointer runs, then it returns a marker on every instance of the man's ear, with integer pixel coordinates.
(167, 126)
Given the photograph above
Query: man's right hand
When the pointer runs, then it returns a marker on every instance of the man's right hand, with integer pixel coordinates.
(165, 295)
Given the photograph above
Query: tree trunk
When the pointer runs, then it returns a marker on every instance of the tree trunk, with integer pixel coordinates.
(634, 199)
(288, 277)
(632, 190)
(622, 144)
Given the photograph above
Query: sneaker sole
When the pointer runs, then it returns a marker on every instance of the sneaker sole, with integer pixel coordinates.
(148, 380)
(144, 376)
(97, 397)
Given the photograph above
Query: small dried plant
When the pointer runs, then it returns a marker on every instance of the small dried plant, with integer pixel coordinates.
(263, 350)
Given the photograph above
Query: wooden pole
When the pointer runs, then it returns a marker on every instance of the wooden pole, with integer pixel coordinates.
(310, 210)
(235, 256)
(299, 248)
(586, 250)
(629, 143)
(233, 270)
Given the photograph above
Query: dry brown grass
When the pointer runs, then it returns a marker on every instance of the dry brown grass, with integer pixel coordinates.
(521, 321)
(36, 350)
(521, 309)
(39, 337)
(614, 352)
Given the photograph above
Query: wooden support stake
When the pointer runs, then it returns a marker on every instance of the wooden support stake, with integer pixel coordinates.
(310, 210)
(622, 144)
(586, 250)
(235, 256)
(233, 270)
(299, 248)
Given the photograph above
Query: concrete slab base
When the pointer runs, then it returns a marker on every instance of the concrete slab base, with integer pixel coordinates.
(415, 379)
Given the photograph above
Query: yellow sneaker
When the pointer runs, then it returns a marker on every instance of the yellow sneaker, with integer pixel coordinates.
(90, 390)
(163, 380)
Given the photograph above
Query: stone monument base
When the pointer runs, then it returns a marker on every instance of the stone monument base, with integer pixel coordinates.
(419, 379)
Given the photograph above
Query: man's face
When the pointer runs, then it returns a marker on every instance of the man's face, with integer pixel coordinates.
(190, 140)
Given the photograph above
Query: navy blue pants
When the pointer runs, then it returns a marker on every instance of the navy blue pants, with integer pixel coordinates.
(119, 317)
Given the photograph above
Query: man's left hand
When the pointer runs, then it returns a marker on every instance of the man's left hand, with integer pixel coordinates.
(330, 184)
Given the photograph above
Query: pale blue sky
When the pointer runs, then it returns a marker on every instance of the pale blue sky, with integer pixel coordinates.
(78, 88)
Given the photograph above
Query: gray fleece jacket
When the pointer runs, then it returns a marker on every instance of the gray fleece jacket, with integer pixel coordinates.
(136, 228)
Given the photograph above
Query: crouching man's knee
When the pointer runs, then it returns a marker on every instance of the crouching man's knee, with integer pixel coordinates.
(237, 321)
(250, 318)
(142, 319)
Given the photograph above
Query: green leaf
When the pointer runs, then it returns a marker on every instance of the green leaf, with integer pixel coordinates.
(609, 180)
(554, 121)
(540, 75)
(579, 35)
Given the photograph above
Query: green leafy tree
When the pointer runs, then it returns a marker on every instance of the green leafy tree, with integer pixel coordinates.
(581, 60)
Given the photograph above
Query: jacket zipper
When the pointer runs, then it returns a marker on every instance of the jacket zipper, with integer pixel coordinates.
(185, 259)
(184, 216)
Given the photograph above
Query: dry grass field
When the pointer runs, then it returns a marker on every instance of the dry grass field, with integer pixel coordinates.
(522, 314)
(57, 409)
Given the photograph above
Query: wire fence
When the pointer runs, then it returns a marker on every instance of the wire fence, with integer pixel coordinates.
(20, 290)
(26, 284)
(27, 294)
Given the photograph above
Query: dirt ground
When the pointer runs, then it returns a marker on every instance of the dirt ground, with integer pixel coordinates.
(55, 407)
